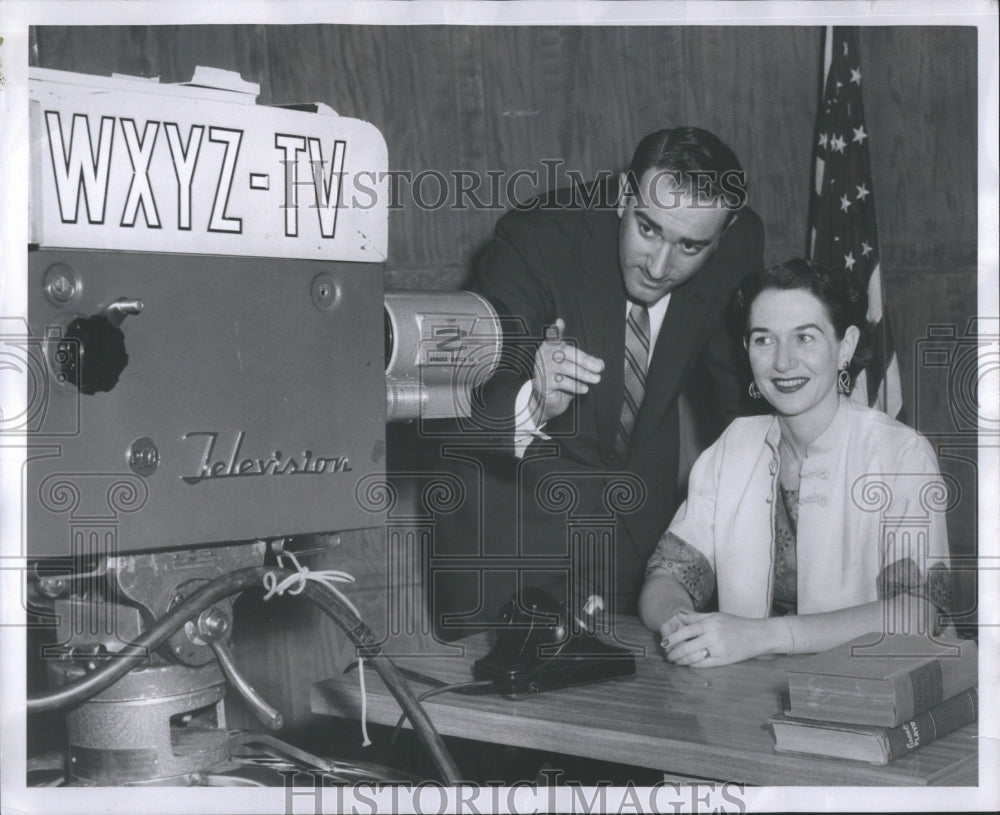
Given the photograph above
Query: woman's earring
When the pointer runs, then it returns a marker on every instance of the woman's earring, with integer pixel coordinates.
(843, 381)
(752, 390)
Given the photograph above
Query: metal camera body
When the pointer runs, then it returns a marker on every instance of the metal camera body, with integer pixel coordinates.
(206, 330)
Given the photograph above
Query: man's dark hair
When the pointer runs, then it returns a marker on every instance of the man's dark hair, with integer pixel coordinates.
(844, 302)
(698, 162)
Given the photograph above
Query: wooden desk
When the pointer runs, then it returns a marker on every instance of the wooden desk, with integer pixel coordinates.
(707, 724)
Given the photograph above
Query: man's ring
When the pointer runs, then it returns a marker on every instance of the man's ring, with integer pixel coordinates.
(705, 653)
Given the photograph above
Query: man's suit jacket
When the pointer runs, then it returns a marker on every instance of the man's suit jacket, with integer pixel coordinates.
(571, 515)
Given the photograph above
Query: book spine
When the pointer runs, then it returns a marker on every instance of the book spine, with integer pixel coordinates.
(936, 680)
(939, 721)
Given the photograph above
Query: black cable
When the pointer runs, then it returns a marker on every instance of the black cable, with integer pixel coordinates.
(325, 598)
(368, 649)
(455, 686)
(138, 651)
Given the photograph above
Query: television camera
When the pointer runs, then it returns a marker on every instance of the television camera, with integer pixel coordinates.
(211, 360)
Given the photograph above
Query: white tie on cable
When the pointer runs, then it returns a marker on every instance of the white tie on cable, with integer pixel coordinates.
(294, 584)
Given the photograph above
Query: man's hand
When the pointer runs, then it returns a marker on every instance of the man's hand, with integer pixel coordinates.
(561, 372)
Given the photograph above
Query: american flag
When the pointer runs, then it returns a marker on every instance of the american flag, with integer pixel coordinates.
(842, 227)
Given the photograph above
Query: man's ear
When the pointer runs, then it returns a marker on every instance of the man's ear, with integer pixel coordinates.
(729, 223)
(625, 191)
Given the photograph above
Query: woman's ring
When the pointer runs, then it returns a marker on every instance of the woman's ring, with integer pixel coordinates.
(705, 653)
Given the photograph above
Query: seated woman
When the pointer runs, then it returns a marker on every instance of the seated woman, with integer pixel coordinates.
(814, 525)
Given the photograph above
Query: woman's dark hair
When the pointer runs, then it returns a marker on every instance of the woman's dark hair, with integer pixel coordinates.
(844, 302)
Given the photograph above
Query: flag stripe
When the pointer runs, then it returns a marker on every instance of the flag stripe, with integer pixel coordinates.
(842, 230)
(875, 295)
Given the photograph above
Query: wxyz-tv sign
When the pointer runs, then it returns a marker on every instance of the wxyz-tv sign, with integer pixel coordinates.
(181, 171)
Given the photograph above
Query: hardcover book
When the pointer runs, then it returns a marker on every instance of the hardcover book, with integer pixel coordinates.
(881, 680)
(876, 745)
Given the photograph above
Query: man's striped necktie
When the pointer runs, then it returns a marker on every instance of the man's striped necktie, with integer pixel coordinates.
(636, 360)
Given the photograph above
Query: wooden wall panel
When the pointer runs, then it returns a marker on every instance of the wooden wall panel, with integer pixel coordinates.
(920, 102)
(772, 121)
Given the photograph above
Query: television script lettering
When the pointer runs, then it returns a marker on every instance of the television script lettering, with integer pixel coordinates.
(213, 466)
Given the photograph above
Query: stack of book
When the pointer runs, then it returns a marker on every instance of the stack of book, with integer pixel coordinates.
(878, 697)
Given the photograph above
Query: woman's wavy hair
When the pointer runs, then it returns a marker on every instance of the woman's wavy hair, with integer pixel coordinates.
(844, 302)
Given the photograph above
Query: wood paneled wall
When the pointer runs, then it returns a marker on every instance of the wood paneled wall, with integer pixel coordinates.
(503, 99)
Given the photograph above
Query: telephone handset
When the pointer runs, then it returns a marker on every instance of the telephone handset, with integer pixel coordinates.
(538, 649)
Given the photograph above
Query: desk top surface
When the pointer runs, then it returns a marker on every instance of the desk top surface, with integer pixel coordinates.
(708, 723)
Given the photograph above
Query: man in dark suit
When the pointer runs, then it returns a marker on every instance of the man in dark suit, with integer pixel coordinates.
(611, 303)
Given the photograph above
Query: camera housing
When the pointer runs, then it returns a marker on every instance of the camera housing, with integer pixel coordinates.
(439, 346)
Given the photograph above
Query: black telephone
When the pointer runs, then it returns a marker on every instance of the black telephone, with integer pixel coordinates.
(539, 649)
